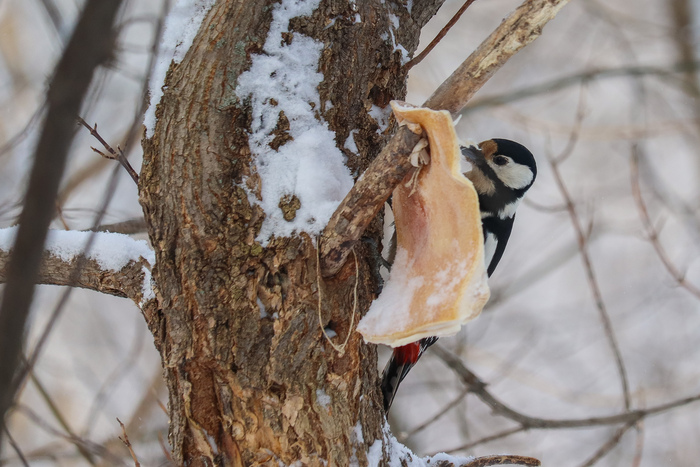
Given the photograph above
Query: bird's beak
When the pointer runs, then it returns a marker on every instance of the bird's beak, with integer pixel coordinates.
(473, 155)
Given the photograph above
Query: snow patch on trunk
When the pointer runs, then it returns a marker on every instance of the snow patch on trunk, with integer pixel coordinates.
(283, 81)
(179, 30)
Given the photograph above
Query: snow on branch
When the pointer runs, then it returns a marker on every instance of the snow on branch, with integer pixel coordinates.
(365, 199)
(389, 448)
(116, 264)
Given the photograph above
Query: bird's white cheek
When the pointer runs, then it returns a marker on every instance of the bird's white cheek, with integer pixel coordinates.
(516, 176)
(489, 248)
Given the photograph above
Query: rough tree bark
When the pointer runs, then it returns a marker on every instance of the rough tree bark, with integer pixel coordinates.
(245, 389)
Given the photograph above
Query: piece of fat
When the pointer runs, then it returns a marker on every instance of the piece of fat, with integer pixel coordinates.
(438, 280)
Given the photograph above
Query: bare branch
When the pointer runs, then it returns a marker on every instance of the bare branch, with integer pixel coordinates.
(652, 232)
(86, 444)
(128, 282)
(608, 446)
(117, 155)
(639, 445)
(435, 417)
(487, 439)
(502, 460)
(367, 197)
(90, 45)
(478, 388)
(56, 412)
(593, 284)
(16, 447)
(129, 227)
(424, 53)
(582, 235)
(127, 443)
(519, 29)
(635, 71)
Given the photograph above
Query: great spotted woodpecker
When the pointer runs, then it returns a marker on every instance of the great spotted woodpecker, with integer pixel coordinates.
(502, 171)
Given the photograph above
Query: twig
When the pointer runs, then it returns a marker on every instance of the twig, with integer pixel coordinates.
(435, 417)
(164, 448)
(574, 79)
(59, 416)
(127, 443)
(59, 213)
(581, 236)
(486, 439)
(575, 130)
(608, 446)
(92, 447)
(639, 445)
(81, 261)
(364, 200)
(652, 233)
(112, 381)
(502, 460)
(529, 202)
(117, 155)
(15, 446)
(478, 388)
(90, 44)
(25, 131)
(129, 227)
(424, 53)
(593, 284)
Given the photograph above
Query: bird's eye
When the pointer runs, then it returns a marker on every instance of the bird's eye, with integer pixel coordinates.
(500, 160)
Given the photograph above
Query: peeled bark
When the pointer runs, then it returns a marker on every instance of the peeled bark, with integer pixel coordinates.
(247, 387)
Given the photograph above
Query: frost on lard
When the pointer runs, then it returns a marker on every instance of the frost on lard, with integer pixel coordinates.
(179, 30)
(283, 81)
(438, 280)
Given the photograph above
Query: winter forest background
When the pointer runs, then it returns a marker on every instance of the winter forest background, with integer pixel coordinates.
(608, 100)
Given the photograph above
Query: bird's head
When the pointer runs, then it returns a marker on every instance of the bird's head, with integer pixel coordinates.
(501, 168)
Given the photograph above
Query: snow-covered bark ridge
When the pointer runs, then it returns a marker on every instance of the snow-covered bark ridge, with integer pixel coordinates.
(282, 83)
(179, 30)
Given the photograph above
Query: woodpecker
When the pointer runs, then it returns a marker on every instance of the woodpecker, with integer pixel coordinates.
(502, 171)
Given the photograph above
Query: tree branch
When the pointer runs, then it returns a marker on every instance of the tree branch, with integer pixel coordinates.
(127, 282)
(387, 170)
(478, 388)
(651, 231)
(443, 32)
(117, 155)
(608, 446)
(583, 77)
(582, 238)
(90, 45)
(503, 459)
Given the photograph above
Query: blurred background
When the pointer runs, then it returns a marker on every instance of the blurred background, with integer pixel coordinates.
(600, 281)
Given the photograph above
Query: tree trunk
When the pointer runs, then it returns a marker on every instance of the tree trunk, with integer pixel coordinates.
(250, 385)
